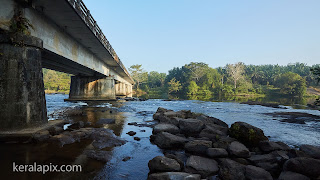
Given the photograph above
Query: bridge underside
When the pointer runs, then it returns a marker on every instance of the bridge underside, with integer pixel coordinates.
(62, 41)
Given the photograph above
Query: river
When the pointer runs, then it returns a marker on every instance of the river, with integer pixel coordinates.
(140, 152)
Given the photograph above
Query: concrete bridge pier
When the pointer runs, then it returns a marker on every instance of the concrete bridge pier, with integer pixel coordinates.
(123, 89)
(92, 88)
(22, 97)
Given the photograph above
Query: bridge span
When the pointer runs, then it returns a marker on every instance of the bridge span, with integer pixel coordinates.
(65, 37)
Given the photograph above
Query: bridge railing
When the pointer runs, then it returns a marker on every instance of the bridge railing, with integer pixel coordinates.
(84, 13)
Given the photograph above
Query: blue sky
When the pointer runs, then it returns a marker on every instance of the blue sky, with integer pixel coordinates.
(162, 34)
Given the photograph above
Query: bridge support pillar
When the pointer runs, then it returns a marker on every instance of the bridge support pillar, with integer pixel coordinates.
(123, 89)
(92, 88)
(22, 98)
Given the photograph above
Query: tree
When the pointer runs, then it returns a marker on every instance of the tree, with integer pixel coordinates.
(174, 85)
(197, 70)
(193, 88)
(138, 74)
(235, 71)
(291, 84)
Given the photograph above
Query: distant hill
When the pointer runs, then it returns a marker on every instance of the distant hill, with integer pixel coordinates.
(56, 82)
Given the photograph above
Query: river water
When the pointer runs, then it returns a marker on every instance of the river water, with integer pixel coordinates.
(140, 152)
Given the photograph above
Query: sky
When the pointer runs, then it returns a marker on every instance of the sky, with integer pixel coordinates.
(162, 34)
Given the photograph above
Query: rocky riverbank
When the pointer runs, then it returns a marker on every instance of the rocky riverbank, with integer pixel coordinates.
(197, 146)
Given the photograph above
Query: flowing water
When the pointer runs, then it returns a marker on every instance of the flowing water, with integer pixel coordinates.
(140, 152)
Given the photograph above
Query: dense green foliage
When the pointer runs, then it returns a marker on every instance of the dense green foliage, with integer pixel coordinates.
(234, 79)
(55, 81)
(291, 84)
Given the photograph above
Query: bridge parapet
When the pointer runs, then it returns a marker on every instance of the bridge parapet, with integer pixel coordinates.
(86, 16)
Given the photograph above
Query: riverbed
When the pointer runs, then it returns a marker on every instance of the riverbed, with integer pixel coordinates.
(130, 161)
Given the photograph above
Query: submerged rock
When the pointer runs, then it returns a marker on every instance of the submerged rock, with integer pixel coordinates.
(201, 165)
(163, 164)
(174, 176)
(247, 134)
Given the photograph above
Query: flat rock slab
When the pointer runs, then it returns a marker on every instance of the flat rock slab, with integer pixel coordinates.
(26, 134)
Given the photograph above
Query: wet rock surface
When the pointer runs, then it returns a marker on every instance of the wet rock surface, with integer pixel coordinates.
(295, 117)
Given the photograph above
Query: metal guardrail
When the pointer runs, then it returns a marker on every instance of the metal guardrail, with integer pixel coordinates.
(84, 13)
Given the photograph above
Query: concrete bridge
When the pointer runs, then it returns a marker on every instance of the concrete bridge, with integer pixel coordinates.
(66, 38)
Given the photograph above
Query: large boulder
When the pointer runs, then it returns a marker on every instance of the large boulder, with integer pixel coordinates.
(201, 165)
(169, 141)
(254, 173)
(247, 134)
(174, 176)
(288, 175)
(231, 170)
(303, 165)
(170, 128)
(312, 151)
(211, 120)
(217, 152)
(163, 164)
(238, 150)
(198, 146)
(190, 126)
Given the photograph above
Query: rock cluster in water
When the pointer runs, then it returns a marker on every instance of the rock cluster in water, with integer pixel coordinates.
(197, 146)
(101, 139)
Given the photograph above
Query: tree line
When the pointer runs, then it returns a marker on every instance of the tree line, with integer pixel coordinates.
(197, 78)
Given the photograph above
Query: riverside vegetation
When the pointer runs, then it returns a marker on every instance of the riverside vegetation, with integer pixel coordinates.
(198, 80)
